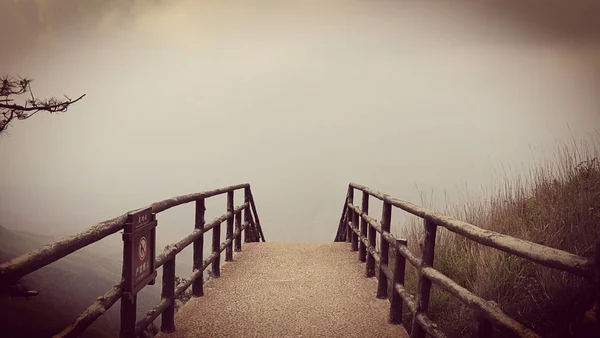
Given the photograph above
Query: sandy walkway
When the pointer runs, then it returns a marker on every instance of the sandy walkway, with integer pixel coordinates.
(289, 290)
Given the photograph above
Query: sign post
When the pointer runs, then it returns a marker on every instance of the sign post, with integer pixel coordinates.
(139, 255)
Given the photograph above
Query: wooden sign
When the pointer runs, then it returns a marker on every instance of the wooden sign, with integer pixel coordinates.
(139, 252)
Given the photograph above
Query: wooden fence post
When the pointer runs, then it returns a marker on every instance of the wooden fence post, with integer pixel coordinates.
(596, 306)
(198, 284)
(424, 284)
(238, 229)
(399, 270)
(591, 318)
(128, 315)
(355, 238)
(258, 229)
(247, 215)
(128, 300)
(386, 219)
(229, 248)
(372, 237)
(216, 245)
(484, 328)
(350, 218)
(362, 249)
(168, 292)
(253, 234)
(339, 236)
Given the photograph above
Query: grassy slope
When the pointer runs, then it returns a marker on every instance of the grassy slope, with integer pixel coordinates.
(558, 205)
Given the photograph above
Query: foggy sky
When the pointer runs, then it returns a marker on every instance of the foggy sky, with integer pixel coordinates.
(297, 99)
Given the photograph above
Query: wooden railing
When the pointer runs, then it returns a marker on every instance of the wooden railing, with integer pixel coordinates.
(487, 313)
(13, 270)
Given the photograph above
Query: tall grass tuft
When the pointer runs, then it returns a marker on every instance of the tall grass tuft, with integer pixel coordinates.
(558, 205)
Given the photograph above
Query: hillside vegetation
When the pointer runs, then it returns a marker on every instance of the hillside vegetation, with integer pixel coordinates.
(557, 205)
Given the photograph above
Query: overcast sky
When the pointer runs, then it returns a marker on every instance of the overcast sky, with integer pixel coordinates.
(298, 99)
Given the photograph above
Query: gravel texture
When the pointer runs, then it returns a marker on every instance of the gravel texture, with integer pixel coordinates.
(289, 289)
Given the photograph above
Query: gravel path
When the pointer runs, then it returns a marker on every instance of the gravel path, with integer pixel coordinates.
(289, 290)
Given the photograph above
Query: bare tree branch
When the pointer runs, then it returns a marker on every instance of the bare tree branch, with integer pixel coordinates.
(10, 111)
(39, 107)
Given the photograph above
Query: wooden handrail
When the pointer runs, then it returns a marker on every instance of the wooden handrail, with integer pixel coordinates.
(538, 253)
(18, 267)
(97, 309)
(142, 324)
(37, 259)
(487, 313)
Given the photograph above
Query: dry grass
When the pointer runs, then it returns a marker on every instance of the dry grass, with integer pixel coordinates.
(558, 205)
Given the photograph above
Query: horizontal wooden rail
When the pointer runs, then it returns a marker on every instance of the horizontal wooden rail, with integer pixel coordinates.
(429, 326)
(415, 261)
(37, 259)
(487, 312)
(16, 268)
(106, 301)
(538, 253)
(368, 247)
(101, 305)
(490, 310)
(176, 248)
(184, 285)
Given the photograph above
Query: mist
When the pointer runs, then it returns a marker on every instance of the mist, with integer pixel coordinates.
(297, 99)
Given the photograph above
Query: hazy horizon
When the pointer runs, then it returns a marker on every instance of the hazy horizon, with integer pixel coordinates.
(297, 99)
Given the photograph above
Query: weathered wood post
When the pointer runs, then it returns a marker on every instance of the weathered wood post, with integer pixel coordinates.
(596, 306)
(484, 328)
(128, 316)
(339, 236)
(247, 215)
(591, 318)
(349, 217)
(238, 231)
(259, 233)
(216, 246)
(229, 248)
(198, 284)
(372, 237)
(424, 284)
(355, 238)
(386, 218)
(168, 292)
(253, 234)
(362, 249)
(139, 259)
(399, 270)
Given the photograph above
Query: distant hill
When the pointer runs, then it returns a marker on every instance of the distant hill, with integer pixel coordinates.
(67, 287)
